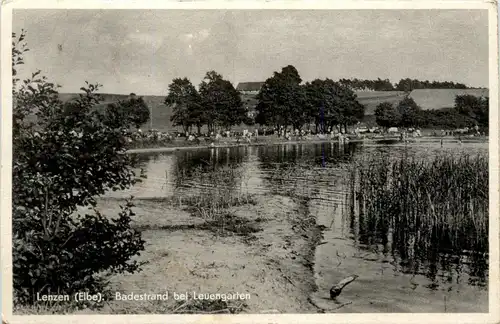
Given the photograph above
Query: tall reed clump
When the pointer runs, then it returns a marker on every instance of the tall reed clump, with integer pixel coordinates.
(424, 209)
(214, 191)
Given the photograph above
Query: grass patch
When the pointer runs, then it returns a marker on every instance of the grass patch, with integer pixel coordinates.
(190, 306)
(231, 224)
(225, 224)
(217, 190)
(209, 307)
(54, 308)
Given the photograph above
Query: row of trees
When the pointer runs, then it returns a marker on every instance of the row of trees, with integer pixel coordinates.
(375, 85)
(284, 101)
(412, 84)
(468, 111)
(217, 104)
(403, 84)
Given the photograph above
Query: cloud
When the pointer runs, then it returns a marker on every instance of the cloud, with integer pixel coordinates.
(146, 39)
(195, 37)
(192, 39)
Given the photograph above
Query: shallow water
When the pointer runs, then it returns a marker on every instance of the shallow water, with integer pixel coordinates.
(315, 172)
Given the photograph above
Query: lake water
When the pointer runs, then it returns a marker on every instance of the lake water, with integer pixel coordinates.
(315, 172)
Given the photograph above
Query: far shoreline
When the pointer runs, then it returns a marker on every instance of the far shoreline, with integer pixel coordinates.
(446, 139)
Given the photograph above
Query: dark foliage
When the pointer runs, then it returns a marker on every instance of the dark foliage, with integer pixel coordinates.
(186, 103)
(134, 111)
(283, 101)
(387, 115)
(474, 107)
(61, 162)
(447, 118)
(375, 85)
(403, 85)
(412, 84)
(409, 112)
(222, 103)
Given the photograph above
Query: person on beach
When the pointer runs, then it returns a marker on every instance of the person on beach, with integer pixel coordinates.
(441, 142)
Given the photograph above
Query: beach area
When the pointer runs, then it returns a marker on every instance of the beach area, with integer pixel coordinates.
(183, 144)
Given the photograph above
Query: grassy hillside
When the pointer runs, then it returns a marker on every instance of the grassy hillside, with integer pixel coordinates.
(425, 98)
(161, 113)
(370, 99)
(442, 98)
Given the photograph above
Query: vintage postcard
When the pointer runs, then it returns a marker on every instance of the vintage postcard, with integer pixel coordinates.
(260, 162)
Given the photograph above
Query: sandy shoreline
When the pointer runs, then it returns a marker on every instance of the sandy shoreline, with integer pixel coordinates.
(274, 264)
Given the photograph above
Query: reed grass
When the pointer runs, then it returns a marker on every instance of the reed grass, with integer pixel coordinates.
(423, 208)
(216, 190)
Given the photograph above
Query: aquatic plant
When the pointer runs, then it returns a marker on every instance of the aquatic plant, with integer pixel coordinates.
(424, 211)
(215, 191)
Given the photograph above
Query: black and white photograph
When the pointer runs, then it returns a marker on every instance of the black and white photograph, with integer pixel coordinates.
(236, 161)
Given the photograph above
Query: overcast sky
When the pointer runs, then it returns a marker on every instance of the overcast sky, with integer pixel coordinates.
(142, 51)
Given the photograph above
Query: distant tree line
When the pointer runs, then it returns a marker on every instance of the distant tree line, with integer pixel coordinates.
(412, 84)
(468, 111)
(403, 84)
(374, 85)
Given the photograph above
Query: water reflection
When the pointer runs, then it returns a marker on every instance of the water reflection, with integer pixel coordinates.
(313, 171)
(423, 253)
(439, 234)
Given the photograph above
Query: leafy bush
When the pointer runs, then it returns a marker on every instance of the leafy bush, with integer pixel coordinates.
(64, 156)
(133, 111)
(473, 107)
(446, 118)
(387, 115)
